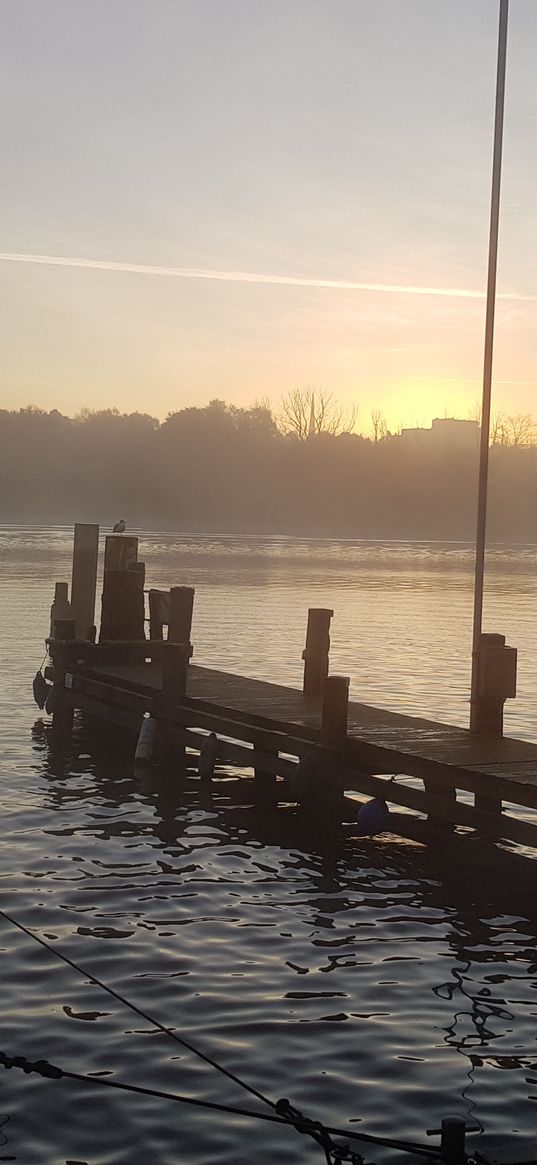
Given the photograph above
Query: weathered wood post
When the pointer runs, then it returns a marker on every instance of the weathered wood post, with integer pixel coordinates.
(453, 1141)
(159, 613)
(84, 577)
(123, 614)
(335, 712)
(180, 617)
(330, 782)
(316, 651)
(497, 683)
(62, 712)
(175, 657)
(64, 629)
(61, 607)
(120, 551)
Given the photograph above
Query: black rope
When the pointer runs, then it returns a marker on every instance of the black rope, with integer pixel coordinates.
(139, 1011)
(285, 1114)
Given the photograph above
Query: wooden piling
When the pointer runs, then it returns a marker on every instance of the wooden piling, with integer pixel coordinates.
(316, 651)
(497, 682)
(334, 712)
(159, 613)
(174, 674)
(84, 577)
(122, 612)
(62, 711)
(64, 629)
(175, 659)
(329, 795)
(120, 551)
(265, 784)
(180, 618)
(61, 607)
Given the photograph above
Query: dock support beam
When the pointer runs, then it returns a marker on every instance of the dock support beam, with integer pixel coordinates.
(316, 651)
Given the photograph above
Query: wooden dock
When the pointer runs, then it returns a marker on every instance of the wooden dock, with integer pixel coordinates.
(313, 747)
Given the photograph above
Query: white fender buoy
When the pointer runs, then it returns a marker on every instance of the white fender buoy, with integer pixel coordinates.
(146, 740)
(208, 756)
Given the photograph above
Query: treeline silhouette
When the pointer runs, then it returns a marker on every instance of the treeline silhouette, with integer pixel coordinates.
(226, 469)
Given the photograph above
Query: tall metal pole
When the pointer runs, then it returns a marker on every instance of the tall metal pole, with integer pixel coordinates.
(487, 363)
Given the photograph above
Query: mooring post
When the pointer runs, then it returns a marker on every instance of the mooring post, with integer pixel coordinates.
(335, 712)
(175, 657)
(158, 613)
(497, 683)
(61, 607)
(174, 674)
(120, 551)
(64, 629)
(62, 712)
(453, 1140)
(180, 616)
(317, 650)
(330, 782)
(122, 614)
(84, 577)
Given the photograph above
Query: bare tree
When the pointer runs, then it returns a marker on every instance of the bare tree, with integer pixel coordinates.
(379, 428)
(499, 426)
(521, 430)
(474, 412)
(308, 411)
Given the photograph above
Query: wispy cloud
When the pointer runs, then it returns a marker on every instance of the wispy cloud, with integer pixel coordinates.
(248, 277)
(466, 380)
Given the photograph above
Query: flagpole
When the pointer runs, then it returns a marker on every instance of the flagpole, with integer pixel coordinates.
(487, 361)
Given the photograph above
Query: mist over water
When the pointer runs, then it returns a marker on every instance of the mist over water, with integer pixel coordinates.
(371, 981)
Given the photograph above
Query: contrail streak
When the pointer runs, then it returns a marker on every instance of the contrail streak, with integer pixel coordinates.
(246, 276)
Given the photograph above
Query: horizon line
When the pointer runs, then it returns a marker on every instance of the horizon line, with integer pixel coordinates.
(249, 277)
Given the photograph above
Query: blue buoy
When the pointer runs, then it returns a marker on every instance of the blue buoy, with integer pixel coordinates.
(373, 817)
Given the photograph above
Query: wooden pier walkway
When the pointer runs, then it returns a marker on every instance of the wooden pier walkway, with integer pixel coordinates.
(269, 727)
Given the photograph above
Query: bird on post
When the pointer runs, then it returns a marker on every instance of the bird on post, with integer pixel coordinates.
(119, 527)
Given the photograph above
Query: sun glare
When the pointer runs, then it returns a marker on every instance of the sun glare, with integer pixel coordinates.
(415, 402)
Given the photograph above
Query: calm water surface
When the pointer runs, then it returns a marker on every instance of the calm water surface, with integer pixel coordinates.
(374, 982)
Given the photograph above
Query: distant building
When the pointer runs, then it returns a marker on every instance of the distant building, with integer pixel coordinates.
(445, 433)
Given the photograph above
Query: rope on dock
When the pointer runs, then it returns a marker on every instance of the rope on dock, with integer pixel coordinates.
(285, 1115)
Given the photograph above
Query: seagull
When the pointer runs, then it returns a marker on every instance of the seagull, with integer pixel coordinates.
(119, 527)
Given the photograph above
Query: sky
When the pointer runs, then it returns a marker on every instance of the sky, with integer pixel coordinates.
(238, 198)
